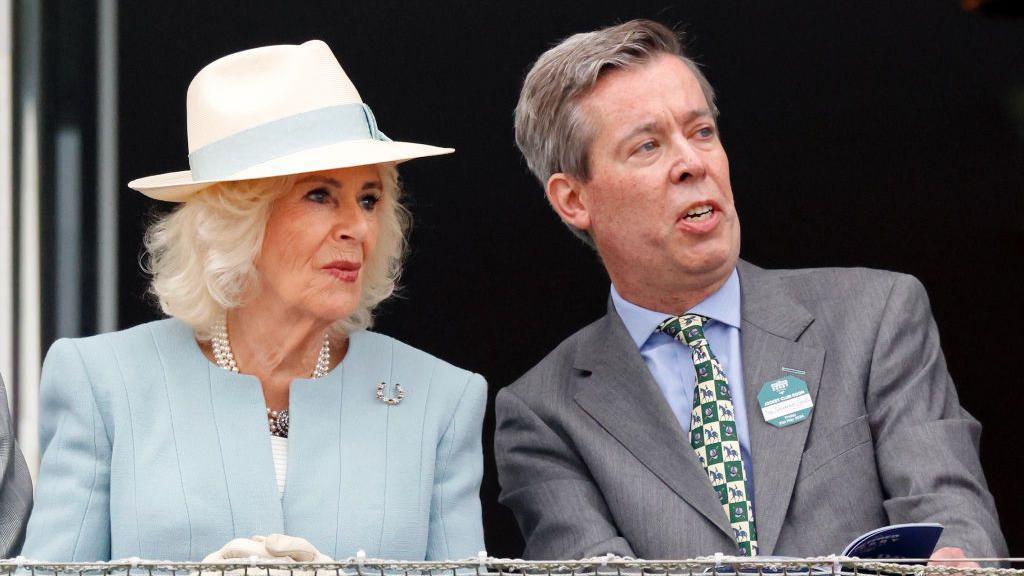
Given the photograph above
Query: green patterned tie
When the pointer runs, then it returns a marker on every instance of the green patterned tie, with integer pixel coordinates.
(713, 429)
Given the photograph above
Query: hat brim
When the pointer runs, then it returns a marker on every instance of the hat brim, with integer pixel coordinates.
(180, 186)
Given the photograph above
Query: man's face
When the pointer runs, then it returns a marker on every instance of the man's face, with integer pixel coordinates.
(658, 203)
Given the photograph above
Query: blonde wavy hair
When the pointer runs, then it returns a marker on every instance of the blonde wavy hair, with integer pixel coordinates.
(201, 256)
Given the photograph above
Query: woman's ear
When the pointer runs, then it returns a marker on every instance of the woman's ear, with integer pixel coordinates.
(567, 197)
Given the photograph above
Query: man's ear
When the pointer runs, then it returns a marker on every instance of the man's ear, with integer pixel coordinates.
(566, 196)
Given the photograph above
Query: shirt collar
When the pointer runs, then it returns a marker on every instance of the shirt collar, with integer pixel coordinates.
(723, 306)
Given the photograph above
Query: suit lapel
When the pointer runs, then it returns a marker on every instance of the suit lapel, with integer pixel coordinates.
(772, 326)
(622, 396)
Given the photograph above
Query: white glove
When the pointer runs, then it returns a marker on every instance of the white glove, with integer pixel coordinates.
(283, 547)
(240, 549)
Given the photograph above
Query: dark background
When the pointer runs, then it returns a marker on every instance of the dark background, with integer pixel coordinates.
(879, 134)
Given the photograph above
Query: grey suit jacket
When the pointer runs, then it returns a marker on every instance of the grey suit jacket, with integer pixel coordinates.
(15, 485)
(591, 459)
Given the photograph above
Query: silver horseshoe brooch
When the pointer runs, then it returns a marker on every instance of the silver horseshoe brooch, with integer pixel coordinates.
(390, 400)
(382, 387)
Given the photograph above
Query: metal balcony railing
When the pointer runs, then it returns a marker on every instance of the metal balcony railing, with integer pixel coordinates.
(486, 566)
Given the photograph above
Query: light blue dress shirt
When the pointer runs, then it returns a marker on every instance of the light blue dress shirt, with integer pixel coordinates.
(671, 364)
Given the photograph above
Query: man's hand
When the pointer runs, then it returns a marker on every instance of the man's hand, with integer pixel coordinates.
(951, 557)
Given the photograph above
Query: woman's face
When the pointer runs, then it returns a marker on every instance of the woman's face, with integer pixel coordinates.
(318, 238)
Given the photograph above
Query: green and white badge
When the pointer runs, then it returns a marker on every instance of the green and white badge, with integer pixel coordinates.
(785, 401)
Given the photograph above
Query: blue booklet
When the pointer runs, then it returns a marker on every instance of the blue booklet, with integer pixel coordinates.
(896, 541)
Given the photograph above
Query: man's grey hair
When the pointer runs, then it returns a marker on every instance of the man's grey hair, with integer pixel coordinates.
(552, 131)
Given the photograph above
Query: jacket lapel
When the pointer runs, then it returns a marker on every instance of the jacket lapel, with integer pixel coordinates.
(622, 396)
(222, 445)
(239, 413)
(772, 326)
(362, 489)
(311, 492)
(338, 452)
(354, 471)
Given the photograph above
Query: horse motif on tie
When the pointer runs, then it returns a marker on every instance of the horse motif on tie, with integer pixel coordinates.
(713, 427)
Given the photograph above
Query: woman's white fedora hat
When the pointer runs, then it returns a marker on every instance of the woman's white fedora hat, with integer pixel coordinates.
(275, 111)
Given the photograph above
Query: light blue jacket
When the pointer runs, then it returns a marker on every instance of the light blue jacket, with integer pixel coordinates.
(150, 450)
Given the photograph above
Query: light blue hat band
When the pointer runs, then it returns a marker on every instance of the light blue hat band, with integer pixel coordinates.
(282, 137)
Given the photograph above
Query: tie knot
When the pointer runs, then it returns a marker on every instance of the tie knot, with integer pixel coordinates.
(688, 329)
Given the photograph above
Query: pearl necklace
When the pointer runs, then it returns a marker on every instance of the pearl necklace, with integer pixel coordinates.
(225, 358)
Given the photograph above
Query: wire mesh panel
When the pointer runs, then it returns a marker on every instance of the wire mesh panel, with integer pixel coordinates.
(605, 566)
